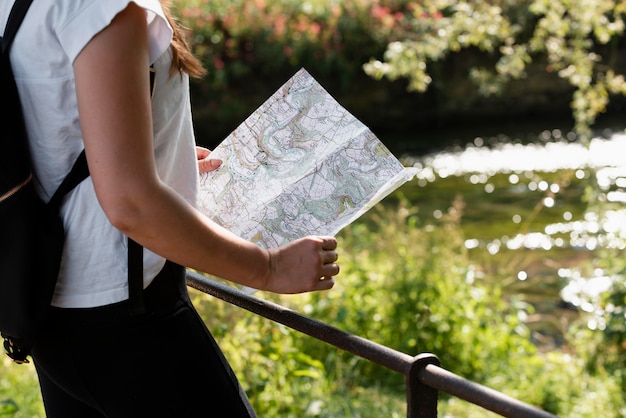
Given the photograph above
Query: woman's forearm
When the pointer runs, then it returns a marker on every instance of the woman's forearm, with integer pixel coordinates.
(166, 224)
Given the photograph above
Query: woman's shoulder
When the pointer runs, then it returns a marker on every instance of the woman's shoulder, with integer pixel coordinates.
(71, 24)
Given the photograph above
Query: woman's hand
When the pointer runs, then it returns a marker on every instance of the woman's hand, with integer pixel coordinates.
(206, 164)
(304, 265)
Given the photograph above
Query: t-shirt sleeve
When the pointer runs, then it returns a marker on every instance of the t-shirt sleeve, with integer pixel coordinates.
(85, 19)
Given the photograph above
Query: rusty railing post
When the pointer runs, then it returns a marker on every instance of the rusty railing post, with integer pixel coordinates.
(421, 398)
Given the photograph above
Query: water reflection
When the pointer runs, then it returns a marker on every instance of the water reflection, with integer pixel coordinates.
(600, 162)
(524, 159)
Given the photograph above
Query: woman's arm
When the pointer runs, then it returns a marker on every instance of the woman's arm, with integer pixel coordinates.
(114, 106)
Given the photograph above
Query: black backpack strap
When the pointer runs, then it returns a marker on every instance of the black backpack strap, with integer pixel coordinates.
(18, 11)
(135, 278)
(78, 173)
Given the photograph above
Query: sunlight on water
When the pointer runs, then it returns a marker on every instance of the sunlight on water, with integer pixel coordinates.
(519, 158)
(604, 157)
(585, 293)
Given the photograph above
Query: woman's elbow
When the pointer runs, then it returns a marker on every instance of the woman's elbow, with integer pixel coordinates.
(124, 213)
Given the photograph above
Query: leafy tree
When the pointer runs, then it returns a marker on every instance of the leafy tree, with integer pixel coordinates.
(576, 40)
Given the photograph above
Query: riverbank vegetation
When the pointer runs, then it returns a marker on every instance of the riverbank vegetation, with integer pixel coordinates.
(406, 65)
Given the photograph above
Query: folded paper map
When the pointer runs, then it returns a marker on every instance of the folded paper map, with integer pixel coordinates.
(299, 165)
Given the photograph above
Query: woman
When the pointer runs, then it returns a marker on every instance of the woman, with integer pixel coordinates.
(82, 68)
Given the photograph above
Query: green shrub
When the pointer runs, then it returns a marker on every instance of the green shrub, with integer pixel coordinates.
(19, 392)
(410, 287)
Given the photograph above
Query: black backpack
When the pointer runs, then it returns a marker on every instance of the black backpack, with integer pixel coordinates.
(31, 231)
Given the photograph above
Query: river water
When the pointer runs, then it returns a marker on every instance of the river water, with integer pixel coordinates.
(535, 218)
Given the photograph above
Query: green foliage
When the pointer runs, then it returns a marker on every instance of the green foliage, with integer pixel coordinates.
(576, 40)
(524, 51)
(19, 392)
(240, 38)
(411, 287)
(250, 48)
(431, 302)
(599, 337)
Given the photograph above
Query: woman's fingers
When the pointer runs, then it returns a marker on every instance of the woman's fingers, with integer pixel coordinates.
(325, 283)
(204, 166)
(329, 243)
(329, 256)
(205, 163)
(329, 267)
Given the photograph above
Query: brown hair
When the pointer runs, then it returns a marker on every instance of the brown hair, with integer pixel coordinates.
(183, 60)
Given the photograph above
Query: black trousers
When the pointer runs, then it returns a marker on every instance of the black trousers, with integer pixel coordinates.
(103, 362)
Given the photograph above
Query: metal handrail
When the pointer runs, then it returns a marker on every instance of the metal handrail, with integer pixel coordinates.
(423, 374)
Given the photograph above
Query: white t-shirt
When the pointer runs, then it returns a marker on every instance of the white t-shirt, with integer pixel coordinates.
(94, 266)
